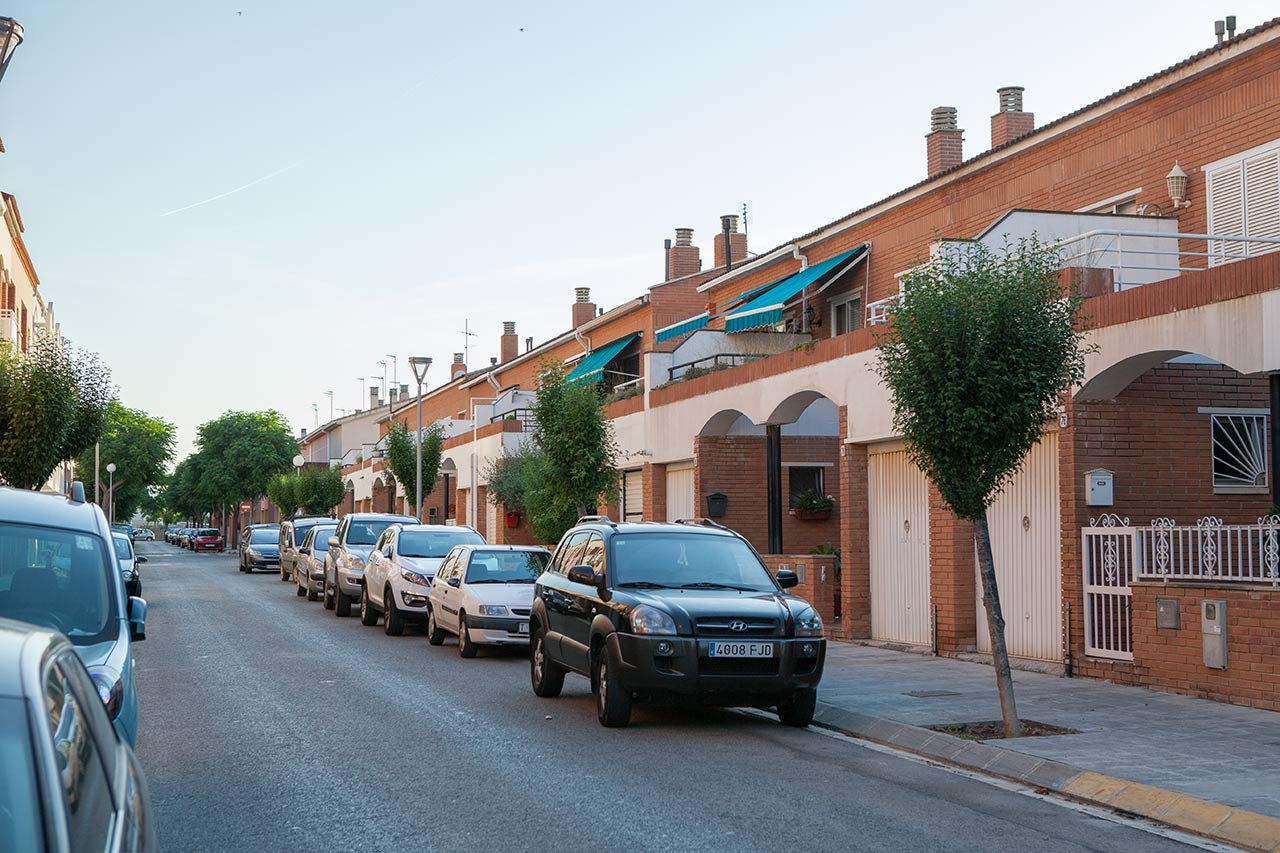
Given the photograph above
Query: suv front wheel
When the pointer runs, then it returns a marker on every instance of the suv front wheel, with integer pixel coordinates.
(799, 710)
(613, 702)
(546, 676)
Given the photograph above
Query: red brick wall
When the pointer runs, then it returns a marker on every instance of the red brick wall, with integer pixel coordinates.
(952, 576)
(654, 479)
(1173, 660)
(855, 544)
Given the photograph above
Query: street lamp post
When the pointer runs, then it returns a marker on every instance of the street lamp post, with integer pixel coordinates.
(419, 363)
(395, 374)
(329, 394)
(111, 491)
(10, 38)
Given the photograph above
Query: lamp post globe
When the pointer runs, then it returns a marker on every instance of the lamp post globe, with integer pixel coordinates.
(299, 461)
(419, 363)
(111, 492)
(10, 38)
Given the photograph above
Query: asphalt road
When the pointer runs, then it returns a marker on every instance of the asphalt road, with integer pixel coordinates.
(269, 724)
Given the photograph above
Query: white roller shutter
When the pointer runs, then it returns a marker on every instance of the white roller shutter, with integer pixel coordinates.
(680, 500)
(898, 503)
(633, 495)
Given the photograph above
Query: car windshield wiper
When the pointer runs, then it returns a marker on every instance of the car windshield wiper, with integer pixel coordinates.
(644, 585)
(715, 585)
(520, 580)
(486, 580)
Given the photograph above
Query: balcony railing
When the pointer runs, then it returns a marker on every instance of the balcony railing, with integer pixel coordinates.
(8, 325)
(710, 364)
(524, 416)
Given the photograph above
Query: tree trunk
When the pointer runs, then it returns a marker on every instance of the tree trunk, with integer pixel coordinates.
(995, 627)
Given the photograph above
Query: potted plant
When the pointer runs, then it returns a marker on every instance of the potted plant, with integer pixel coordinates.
(812, 506)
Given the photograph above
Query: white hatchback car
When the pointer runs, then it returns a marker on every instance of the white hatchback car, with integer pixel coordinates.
(483, 594)
(400, 568)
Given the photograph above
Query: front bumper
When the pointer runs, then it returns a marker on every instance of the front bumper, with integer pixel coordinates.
(261, 562)
(350, 582)
(688, 673)
(498, 630)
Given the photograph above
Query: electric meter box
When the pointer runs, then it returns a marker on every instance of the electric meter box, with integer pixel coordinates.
(1098, 486)
(1213, 627)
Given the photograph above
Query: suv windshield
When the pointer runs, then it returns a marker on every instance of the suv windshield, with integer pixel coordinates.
(59, 579)
(435, 543)
(506, 566)
(264, 536)
(367, 531)
(687, 561)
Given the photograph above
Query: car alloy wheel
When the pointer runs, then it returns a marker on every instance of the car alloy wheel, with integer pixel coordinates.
(368, 616)
(466, 648)
(613, 702)
(435, 634)
(392, 621)
(546, 676)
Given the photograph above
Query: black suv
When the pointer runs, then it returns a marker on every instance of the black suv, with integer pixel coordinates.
(683, 612)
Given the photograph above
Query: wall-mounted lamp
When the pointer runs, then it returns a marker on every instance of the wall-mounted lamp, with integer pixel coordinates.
(1177, 181)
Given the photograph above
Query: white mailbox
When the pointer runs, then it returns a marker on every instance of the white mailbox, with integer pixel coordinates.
(1098, 486)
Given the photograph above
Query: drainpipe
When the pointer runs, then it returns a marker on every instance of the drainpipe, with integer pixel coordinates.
(804, 294)
(582, 340)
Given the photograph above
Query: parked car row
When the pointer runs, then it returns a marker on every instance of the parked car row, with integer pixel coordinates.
(195, 538)
(68, 704)
(686, 612)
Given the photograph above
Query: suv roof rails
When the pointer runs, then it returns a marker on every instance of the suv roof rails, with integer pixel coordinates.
(702, 522)
(76, 494)
(597, 519)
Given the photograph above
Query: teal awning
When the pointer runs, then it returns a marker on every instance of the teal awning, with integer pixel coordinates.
(684, 327)
(592, 367)
(766, 309)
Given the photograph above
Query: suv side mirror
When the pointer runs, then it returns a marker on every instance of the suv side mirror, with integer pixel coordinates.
(787, 578)
(137, 618)
(304, 550)
(139, 559)
(334, 543)
(586, 576)
(454, 581)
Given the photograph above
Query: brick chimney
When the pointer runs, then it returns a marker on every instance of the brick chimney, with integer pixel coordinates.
(737, 242)
(945, 141)
(374, 401)
(404, 391)
(509, 344)
(583, 308)
(458, 368)
(392, 392)
(1011, 122)
(683, 258)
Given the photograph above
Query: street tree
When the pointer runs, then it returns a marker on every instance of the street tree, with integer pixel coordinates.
(321, 489)
(578, 447)
(402, 459)
(284, 491)
(512, 476)
(140, 445)
(53, 402)
(239, 453)
(976, 353)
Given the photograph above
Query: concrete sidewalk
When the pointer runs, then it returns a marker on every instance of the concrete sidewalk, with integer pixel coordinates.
(1225, 755)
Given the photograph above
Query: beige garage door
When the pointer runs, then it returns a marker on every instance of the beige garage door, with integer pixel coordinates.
(1026, 542)
(680, 500)
(898, 498)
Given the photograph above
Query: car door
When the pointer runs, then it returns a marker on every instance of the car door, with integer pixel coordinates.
(555, 587)
(442, 594)
(581, 605)
(288, 552)
(378, 569)
(331, 556)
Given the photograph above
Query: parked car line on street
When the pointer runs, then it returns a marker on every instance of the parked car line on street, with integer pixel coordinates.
(400, 569)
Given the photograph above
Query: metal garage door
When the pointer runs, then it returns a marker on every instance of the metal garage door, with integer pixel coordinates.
(1026, 541)
(680, 502)
(898, 499)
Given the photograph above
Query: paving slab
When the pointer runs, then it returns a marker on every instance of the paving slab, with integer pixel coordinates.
(1220, 753)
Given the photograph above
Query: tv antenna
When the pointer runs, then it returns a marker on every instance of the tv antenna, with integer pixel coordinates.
(467, 335)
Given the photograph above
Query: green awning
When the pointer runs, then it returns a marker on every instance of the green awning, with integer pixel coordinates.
(684, 327)
(766, 309)
(592, 367)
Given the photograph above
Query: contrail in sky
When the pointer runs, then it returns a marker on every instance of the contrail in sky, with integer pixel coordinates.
(234, 191)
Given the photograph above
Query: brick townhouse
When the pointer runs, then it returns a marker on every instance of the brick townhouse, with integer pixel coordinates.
(739, 390)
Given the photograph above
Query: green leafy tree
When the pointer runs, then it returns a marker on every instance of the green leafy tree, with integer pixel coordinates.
(321, 489)
(285, 492)
(976, 354)
(514, 475)
(242, 452)
(402, 459)
(53, 401)
(578, 448)
(182, 496)
(140, 445)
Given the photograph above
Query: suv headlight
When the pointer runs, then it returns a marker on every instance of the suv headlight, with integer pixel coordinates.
(414, 577)
(492, 610)
(251, 552)
(651, 620)
(808, 623)
(110, 689)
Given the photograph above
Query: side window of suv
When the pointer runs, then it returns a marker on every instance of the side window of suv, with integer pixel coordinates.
(593, 554)
(285, 530)
(341, 532)
(571, 553)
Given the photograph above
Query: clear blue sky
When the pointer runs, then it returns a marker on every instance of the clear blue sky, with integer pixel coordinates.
(439, 164)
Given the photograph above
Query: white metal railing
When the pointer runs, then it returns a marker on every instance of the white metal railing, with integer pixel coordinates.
(878, 311)
(1108, 572)
(8, 324)
(1210, 551)
(638, 382)
(1136, 258)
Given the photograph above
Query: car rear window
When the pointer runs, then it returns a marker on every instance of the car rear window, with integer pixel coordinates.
(435, 543)
(687, 560)
(124, 550)
(60, 579)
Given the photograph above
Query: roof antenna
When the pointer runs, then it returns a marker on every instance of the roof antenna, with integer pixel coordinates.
(1219, 27)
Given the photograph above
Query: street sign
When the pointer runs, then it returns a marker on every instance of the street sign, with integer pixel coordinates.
(246, 506)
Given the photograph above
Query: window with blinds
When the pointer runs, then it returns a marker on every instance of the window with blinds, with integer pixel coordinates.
(1244, 201)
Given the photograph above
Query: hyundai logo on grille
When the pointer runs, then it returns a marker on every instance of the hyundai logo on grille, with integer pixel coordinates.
(737, 625)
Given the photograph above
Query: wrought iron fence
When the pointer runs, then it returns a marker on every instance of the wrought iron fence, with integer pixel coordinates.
(1210, 551)
(524, 416)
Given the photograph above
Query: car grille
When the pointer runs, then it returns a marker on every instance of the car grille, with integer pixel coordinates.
(738, 666)
(718, 626)
(520, 611)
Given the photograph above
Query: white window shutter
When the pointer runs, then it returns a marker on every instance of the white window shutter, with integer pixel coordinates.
(1226, 212)
(1262, 201)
